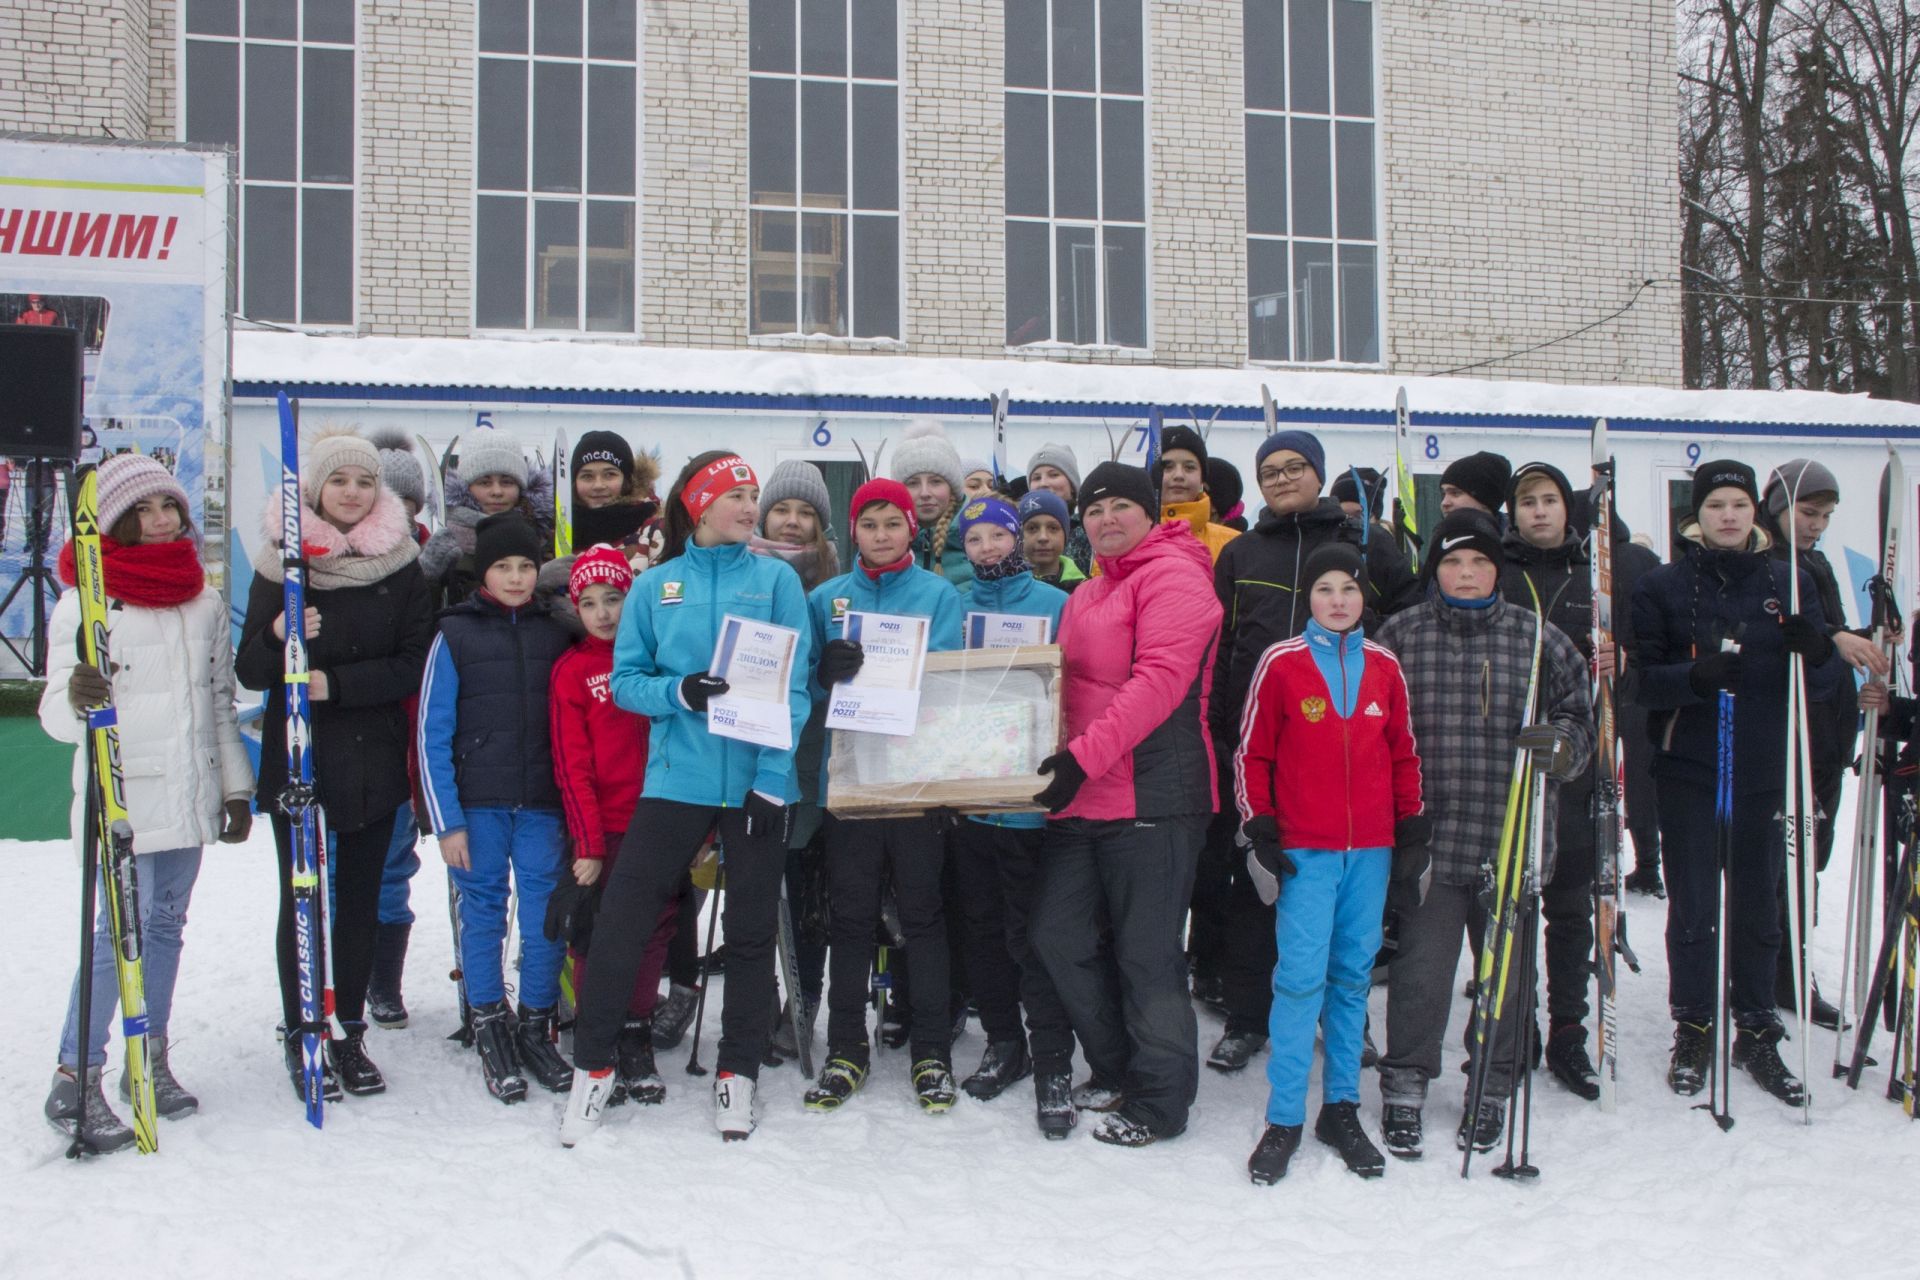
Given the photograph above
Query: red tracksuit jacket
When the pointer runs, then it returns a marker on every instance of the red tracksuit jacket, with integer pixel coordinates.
(599, 749)
(1330, 781)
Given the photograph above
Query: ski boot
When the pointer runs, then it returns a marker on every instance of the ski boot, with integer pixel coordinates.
(170, 1098)
(839, 1080)
(1003, 1064)
(1568, 1061)
(385, 1007)
(733, 1106)
(493, 1038)
(1484, 1130)
(1400, 1129)
(1269, 1161)
(297, 1068)
(674, 1015)
(96, 1124)
(933, 1085)
(347, 1055)
(536, 1037)
(587, 1100)
(1234, 1050)
(1053, 1104)
(639, 1080)
(1757, 1052)
(1692, 1055)
(1339, 1127)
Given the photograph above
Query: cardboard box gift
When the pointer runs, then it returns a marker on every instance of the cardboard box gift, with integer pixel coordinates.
(988, 717)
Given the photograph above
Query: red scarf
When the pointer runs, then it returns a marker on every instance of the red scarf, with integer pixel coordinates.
(153, 575)
(901, 565)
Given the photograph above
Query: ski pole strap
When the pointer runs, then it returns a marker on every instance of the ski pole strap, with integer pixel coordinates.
(102, 718)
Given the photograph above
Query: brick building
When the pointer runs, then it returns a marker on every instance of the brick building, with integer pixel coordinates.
(1399, 185)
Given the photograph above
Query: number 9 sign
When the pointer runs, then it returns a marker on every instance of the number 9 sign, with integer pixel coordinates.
(1693, 454)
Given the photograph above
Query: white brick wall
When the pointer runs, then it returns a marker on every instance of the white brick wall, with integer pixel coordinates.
(1527, 171)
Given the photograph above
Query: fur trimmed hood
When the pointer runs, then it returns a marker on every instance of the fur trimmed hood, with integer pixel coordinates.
(376, 547)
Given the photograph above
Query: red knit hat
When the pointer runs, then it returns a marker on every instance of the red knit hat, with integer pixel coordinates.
(714, 479)
(600, 563)
(888, 491)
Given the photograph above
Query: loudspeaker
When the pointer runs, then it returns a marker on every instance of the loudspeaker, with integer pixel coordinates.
(41, 374)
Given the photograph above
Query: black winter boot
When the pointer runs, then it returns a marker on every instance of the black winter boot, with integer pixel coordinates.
(537, 1040)
(637, 1074)
(1053, 1104)
(297, 1069)
(1485, 1130)
(348, 1056)
(1568, 1061)
(1004, 1063)
(1400, 1129)
(1269, 1161)
(1692, 1057)
(1339, 1127)
(1234, 1050)
(385, 1007)
(1757, 1051)
(673, 1015)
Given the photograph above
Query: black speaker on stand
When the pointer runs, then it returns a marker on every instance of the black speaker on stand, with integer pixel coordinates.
(42, 373)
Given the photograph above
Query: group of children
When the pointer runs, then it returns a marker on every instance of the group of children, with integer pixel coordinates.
(547, 721)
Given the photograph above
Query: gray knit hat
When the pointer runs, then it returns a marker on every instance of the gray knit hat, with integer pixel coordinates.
(332, 449)
(796, 479)
(398, 466)
(1056, 455)
(1805, 477)
(924, 447)
(492, 451)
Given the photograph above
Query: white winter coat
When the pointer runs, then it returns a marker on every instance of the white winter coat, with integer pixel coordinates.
(180, 748)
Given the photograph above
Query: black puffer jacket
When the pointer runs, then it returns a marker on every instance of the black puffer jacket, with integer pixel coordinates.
(1683, 611)
(1257, 578)
(372, 645)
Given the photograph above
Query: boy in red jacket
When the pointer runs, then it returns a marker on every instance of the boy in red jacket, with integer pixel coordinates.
(599, 760)
(1328, 786)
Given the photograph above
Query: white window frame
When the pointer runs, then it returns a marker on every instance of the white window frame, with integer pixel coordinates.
(529, 197)
(1098, 95)
(298, 185)
(782, 337)
(1335, 242)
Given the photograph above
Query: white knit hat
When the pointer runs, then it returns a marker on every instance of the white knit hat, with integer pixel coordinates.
(125, 479)
(332, 449)
(491, 451)
(924, 447)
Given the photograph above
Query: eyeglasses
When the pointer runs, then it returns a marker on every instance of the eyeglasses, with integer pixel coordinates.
(1290, 472)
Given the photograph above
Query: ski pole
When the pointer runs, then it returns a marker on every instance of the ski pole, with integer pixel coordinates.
(1720, 1095)
(89, 879)
(700, 1004)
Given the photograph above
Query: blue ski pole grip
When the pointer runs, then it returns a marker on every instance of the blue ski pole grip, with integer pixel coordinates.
(102, 718)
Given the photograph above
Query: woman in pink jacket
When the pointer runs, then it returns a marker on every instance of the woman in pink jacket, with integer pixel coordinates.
(1128, 804)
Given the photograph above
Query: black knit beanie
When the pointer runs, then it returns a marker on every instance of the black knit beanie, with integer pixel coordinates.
(505, 534)
(1119, 480)
(1481, 476)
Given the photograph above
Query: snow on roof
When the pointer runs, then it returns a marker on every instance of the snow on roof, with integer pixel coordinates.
(278, 358)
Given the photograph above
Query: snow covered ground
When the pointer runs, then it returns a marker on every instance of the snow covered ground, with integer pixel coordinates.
(436, 1178)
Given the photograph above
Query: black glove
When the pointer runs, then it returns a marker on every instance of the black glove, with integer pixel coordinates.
(1412, 869)
(1714, 672)
(840, 660)
(766, 817)
(570, 909)
(88, 688)
(1262, 828)
(236, 822)
(695, 690)
(1068, 777)
(1268, 866)
(1806, 639)
(1549, 747)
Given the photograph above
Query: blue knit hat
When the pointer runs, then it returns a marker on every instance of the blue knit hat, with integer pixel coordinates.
(1044, 502)
(1304, 443)
(991, 511)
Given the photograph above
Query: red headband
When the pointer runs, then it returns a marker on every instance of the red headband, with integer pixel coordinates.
(713, 480)
(891, 492)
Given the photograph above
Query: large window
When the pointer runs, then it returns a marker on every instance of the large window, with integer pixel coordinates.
(824, 167)
(556, 165)
(1076, 146)
(275, 78)
(1313, 241)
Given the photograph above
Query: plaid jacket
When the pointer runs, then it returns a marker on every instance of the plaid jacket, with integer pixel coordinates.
(1467, 674)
